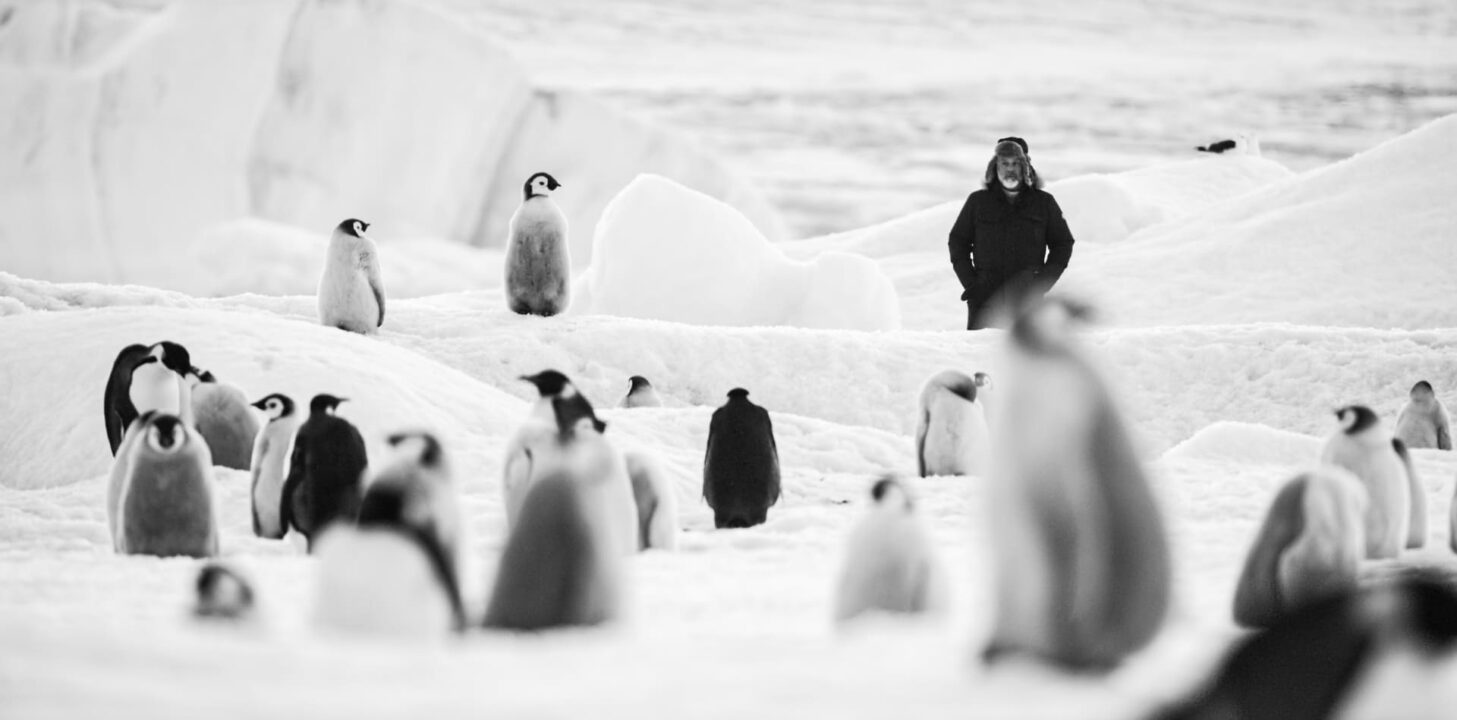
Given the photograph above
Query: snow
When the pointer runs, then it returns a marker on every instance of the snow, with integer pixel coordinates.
(130, 130)
(666, 252)
(1241, 301)
(1224, 240)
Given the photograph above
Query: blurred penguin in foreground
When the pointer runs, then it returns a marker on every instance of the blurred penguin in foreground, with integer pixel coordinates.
(1382, 652)
(1010, 240)
(1080, 552)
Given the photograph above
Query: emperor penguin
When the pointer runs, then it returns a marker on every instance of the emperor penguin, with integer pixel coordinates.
(394, 572)
(421, 469)
(538, 260)
(118, 410)
(225, 420)
(890, 564)
(143, 378)
(325, 472)
(657, 503)
(1310, 546)
(1326, 659)
(1423, 422)
(1080, 553)
(351, 293)
(562, 562)
(952, 437)
(540, 447)
(538, 431)
(269, 464)
(641, 393)
(160, 497)
(1363, 446)
(222, 593)
(741, 463)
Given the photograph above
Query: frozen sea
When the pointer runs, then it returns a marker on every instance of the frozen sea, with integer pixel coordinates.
(851, 112)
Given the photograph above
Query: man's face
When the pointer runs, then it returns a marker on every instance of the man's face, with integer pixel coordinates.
(1011, 169)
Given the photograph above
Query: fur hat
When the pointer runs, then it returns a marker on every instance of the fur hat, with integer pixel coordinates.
(1012, 146)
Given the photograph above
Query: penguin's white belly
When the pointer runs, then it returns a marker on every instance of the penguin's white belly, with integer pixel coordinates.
(155, 387)
(1387, 490)
(377, 582)
(267, 493)
(346, 300)
(1416, 430)
(888, 568)
(957, 439)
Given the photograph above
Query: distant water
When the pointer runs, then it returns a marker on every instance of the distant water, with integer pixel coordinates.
(851, 112)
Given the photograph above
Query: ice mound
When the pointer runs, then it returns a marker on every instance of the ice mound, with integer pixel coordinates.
(57, 363)
(666, 252)
(128, 130)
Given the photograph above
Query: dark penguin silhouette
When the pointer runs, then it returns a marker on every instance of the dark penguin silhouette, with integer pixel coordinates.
(1218, 147)
(325, 474)
(118, 410)
(222, 593)
(741, 465)
(1305, 666)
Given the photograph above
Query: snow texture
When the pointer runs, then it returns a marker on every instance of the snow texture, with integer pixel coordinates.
(131, 129)
(666, 252)
(1241, 304)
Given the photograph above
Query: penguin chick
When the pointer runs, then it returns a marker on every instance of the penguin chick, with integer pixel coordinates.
(1362, 445)
(889, 563)
(641, 393)
(222, 593)
(538, 257)
(351, 291)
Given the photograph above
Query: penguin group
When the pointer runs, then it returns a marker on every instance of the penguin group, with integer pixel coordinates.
(1081, 569)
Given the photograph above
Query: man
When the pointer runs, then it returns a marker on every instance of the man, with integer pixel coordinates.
(1010, 244)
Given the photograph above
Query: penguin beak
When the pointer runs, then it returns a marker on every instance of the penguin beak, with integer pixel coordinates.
(260, 405)
(148, 359)
(364, 225)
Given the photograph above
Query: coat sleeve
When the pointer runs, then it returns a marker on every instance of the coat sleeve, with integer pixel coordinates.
(1059, 244)
(962, 244)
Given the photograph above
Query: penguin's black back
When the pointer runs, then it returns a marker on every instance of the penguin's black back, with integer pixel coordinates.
(1303, 667)
(741, 464)
(117, 409)
(325, 476)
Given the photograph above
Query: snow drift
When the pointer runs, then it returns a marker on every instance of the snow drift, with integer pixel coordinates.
(129, 129)
(666, 252)
(1318, 248)
(1224, 240)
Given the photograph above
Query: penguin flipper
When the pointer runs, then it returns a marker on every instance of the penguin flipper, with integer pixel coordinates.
(296, 463)
(376, 285)
(444, 573)
(116, 403)
(1444, 433)
(1416, 534)
(922, 425)
(1257, 601)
